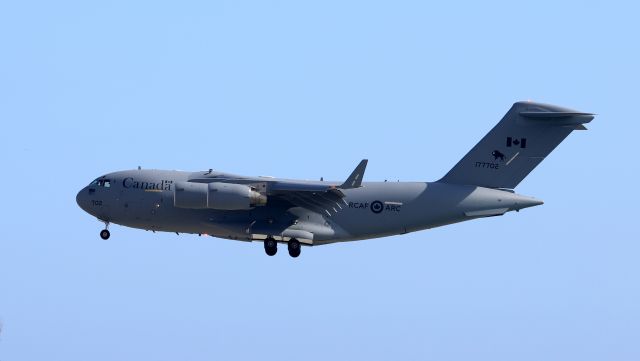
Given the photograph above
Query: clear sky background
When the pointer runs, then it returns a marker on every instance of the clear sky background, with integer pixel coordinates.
(305, 90)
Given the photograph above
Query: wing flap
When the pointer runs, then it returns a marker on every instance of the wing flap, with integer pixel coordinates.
(326, 203)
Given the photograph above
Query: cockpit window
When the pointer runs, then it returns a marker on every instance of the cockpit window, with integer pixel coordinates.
(106, 183)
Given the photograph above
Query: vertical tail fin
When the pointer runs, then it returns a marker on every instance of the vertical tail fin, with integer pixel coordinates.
(513, 148)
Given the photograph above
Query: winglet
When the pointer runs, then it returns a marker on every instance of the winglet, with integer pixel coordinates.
(355, 179)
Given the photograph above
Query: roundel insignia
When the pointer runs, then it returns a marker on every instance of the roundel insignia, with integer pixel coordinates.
(376, 206)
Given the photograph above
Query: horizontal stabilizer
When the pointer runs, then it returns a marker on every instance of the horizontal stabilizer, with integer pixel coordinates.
(559, 118)
(536, 114)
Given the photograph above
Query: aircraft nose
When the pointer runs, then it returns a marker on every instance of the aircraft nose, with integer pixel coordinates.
(81, 199)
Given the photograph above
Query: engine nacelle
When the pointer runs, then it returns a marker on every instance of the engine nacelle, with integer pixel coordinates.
(222, 196)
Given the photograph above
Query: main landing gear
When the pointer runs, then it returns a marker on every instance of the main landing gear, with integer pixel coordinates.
(105, 234)
(271, 247)
(294, 247)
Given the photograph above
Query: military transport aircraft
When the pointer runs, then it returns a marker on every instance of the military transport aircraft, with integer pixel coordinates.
(311, 213)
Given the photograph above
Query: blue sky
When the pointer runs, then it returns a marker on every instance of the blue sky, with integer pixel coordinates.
(306, 90)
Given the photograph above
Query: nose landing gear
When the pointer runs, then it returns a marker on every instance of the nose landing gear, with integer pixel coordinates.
(105, 234)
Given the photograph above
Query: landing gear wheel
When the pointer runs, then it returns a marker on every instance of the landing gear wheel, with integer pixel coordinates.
(270, 246)
(105, 234)
(294, 247)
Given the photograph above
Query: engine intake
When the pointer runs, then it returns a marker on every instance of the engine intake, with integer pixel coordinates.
(222, 196)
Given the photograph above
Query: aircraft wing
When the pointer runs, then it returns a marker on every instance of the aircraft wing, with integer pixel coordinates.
(320, 197)
(329, 201)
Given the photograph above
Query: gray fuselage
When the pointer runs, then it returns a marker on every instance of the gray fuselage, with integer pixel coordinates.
(145, 199)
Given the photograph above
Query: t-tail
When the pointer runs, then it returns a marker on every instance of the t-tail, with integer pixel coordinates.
(513, 148)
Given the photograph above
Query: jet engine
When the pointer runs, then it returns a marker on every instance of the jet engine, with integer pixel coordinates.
(222, 196)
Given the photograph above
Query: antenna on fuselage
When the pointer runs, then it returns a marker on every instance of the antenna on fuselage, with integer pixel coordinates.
(139, 167)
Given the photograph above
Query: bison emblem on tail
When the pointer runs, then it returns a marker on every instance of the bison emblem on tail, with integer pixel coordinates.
(497, 155)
